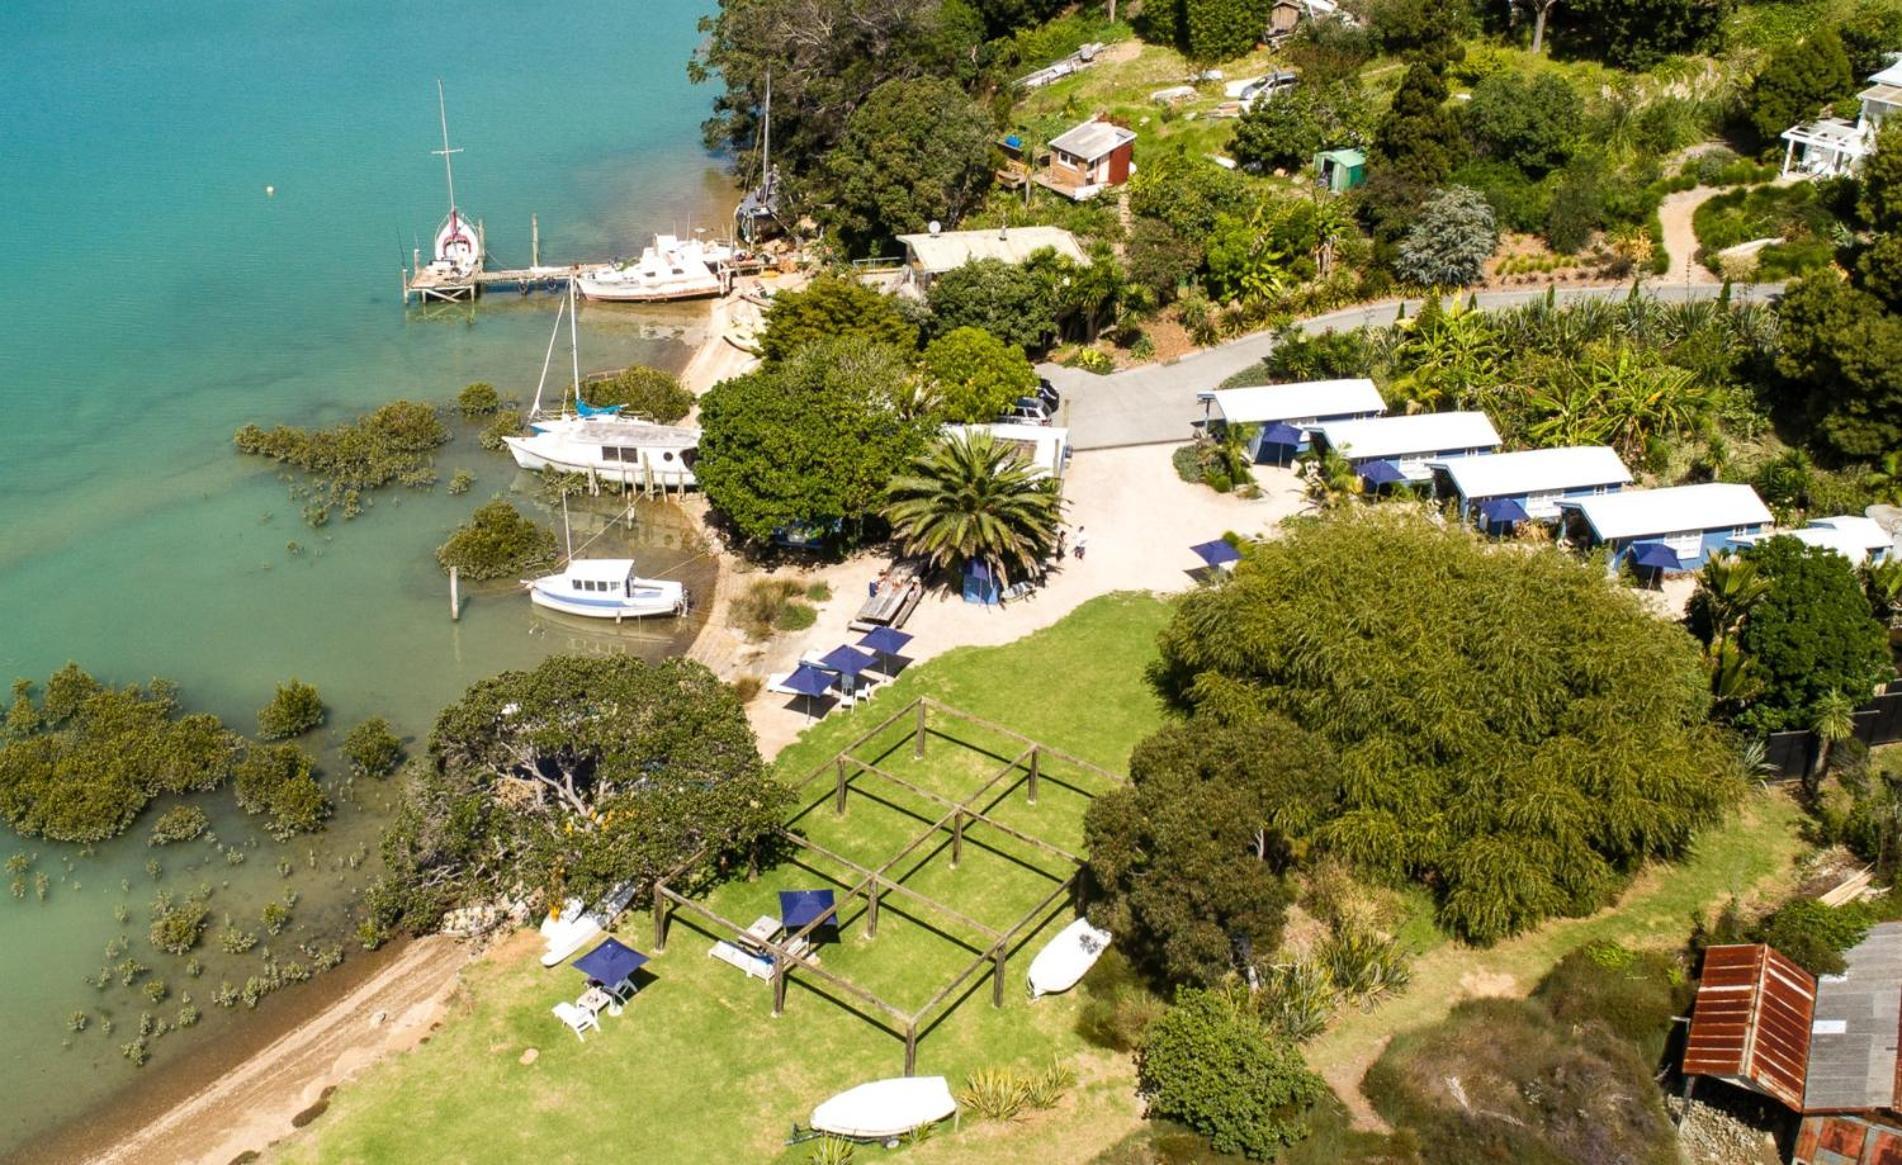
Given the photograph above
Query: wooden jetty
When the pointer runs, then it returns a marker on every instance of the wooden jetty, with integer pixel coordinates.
(429, 285)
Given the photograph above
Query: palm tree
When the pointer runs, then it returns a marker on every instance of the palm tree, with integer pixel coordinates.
(1728, 587)
(971, 498)
(1833, 720)
(1886, 478)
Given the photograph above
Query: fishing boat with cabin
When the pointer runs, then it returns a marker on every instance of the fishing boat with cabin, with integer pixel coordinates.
(607, 588)
(669, 268)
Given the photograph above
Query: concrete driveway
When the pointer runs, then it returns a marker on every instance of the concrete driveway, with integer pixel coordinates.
(1155, 404)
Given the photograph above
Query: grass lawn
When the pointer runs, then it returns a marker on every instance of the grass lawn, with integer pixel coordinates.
(697, 1069)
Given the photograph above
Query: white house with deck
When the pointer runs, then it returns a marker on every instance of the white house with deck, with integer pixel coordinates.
(930, 255)
(1668, 529)
(1390, 450)
(1833, 146)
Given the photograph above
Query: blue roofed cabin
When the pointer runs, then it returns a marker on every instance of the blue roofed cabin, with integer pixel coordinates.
(1667, 529)
(1285, 413)
(1501, 490)
(1392, 450)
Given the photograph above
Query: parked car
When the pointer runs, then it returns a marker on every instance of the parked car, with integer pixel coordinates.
(1029, 410)
(1267, 88)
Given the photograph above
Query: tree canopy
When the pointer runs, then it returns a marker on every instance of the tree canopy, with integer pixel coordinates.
(917, 151)
(814, 437)
(975, 376)
(569, 779)
(833, 307)
(1532, 124)
(1449, 243)
(1286, 132)
(1520, 775)
(1636, 34)
(1801, 77)
(1207, 1063)
(1206, 30)
(1811, 634)
(974, 497)
(1007, 300)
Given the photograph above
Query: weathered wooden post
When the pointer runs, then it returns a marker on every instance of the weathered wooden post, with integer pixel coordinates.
(918, 737)
(779, 985)
(1035, 753)
(997, 977)
(455, 594)
(660, 920)
(871, 912)
(838, 803)
(957, 838)
(911, 1048)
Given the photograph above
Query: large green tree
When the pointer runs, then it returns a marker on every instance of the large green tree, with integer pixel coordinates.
(974, 376)
(1514, 730)
(1286, 132)
(1801, 78)
(1449, 243)
(1530, 123)
(1206, 30)
(579, 775)
(1007, 300)
(1417, 145)
(1208, 1063)
(1842, 349)
(1811, 634)
(917, 151)
(1636, 34)
(833, 307)
(814, 437)
(1187, 863)
(973, 497)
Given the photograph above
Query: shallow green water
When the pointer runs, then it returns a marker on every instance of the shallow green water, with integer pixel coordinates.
(156, 299)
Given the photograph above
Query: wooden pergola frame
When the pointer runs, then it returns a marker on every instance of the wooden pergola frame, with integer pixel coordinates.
(875, 884)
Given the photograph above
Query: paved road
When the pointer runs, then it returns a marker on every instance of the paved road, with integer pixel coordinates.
(1156, 404)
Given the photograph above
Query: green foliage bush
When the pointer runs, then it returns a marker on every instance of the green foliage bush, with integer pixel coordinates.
(1118, 1006)
(1636, 34)
(294, 710)
(1208, 1064)
(1006, 300)
(1811, 635)
(83, 763)
(1450, 241)
(645, 392)
(1813, 935)
(505, 425)
(177, 926)
(373, 748)
(915, 150)
(498, 542)
(975, 376)
(179, 823)
(391, 444)
(1801, 77)
(478, 400)
(829, 308)
(277, 780)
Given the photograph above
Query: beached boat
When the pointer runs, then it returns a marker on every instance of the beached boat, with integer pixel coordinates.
(606, 588)
(576, 925)
(669, 268)
(617, 449)
(1065, 958)
(884, 1109)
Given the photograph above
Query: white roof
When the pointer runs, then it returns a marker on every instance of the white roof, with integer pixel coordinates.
(1401, 436)
(600, 569)
(948, 249)
(1847, 545)
(1267, 403)
(1535, 471)
(1047, 442)
(1889, 76)
(1865, 532)
(1092, 139)
(1636, 513)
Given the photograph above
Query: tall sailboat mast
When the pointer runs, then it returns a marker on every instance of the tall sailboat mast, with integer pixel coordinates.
(448, 170)
(766, 141)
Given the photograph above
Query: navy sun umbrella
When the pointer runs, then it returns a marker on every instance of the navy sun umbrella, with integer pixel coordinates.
(887, 642)
(611, 962)
(1217, 553)
(798, 908)
(808, 681)
(848, 661)
(1381, 473)
(1500, 511)
(1657, 556)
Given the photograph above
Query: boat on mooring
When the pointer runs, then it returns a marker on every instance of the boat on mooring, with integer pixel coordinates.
(607, 588)
(669, 268)
(614, 449)
(458, 248)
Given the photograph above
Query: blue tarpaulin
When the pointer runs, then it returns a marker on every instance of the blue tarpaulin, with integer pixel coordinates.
(1500, 510)
(799, 907)
(1381, 473)
(1656, 555)
(610, 962)
(1217, 553)
(809, 681)
(885, 640)
(847, 660)
(980, 583)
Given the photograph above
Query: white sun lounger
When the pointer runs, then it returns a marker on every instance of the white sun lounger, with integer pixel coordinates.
(576, 1017)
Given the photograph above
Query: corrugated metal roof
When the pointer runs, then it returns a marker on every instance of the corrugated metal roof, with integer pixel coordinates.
(1844, 542)
(1262, 404)
(1640, 513)
(1751, 1021)
(1092, 139)
(1854, 1069)
(948, 249)
(1413, 435)
(1499, 475)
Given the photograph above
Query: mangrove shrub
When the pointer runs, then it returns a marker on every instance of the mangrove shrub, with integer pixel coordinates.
(642, 392)
(497, 542)
(294, 710)
(391, 444)
(373, 748)
(277, 780)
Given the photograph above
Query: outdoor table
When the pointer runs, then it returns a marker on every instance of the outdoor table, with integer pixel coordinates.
(594, 1000)
(765, 929)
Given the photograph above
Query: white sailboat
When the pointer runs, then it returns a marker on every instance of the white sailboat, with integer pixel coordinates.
(458, 248)
(669, 268)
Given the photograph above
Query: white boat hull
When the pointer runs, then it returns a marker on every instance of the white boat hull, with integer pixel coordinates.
(608, 607)
(533, 453)
(576, 926)
(1066, 958)
(886, 1108)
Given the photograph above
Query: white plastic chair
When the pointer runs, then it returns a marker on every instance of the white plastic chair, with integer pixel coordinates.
(577, 1018)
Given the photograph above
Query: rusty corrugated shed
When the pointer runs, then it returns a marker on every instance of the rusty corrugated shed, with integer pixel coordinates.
(1751, 1022)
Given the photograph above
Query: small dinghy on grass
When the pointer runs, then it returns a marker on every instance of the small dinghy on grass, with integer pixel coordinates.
(1066, 958)
(884, 1109)
(577, 926)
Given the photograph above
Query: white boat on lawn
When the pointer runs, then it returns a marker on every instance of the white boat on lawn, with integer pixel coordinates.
(606, 588)
(620, 449)
(576, 925)
(884, 1109)
(669, 268)
(1065, 958)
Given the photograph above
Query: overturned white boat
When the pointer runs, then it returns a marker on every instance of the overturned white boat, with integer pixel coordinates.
(607, 588)
(634, 452)
(669, 268)
(576, 925)
(1066, 958)
(884, 1109)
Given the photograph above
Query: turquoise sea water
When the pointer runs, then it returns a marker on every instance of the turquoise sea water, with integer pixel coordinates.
(155, 299)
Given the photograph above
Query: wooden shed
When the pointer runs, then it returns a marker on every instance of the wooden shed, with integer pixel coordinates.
(1750, 1025)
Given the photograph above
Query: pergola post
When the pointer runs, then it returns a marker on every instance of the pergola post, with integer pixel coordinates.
(1034, 754)
(957, 838)
(871, 913)
(838, 804)
(911, 1048)
(779, 986)
(660, 919)
(997, 978)
(918, 735)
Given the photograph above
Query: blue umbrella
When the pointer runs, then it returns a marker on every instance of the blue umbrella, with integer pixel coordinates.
(1657, 556)
(1217, 553)
(1380, 473)
(885, 640)
(611, 962)
(809, 681)
(1502, 510)
(848, 661)
(1282, 433)
(799, 907)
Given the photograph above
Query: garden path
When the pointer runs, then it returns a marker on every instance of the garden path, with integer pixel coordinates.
(1680, 238)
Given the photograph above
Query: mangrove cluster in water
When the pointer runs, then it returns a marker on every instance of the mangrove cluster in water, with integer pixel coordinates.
(497, 542)
(342, 463)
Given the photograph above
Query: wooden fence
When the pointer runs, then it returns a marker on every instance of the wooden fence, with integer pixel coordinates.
(1878, 722)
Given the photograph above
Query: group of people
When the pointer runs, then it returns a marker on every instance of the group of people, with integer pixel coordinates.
(1078, 543)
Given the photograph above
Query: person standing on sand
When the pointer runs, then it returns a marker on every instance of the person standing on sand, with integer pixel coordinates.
(1063, 535)
(1082, 541)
